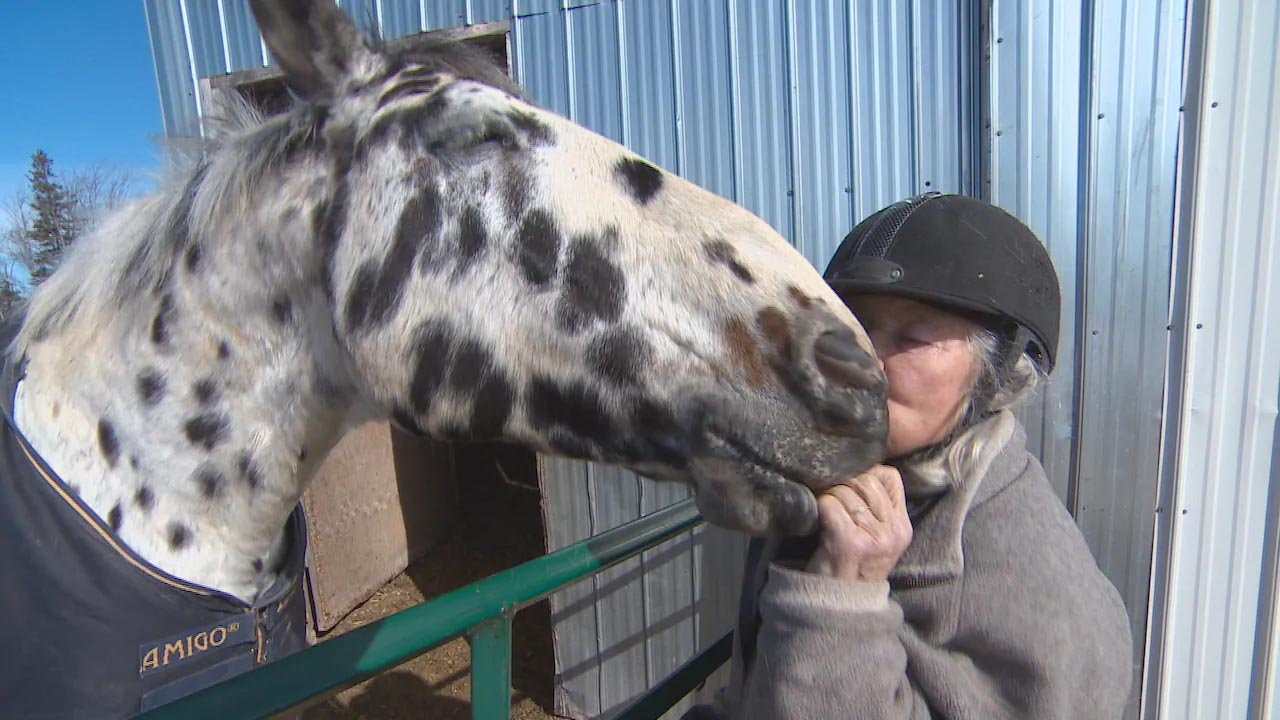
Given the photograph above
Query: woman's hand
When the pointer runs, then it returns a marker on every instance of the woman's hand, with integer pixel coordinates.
(864, 527)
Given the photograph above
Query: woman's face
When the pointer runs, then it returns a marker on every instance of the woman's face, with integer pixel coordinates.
(929, 361)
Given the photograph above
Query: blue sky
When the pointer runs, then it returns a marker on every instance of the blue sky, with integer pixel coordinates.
(77, 82)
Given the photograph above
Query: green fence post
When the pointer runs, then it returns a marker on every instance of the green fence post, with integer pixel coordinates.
(491, 669)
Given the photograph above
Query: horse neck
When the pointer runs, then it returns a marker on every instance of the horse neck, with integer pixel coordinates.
(193, 424)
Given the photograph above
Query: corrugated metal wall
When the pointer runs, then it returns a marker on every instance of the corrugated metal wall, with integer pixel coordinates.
(1219, 655)
(1083, 139)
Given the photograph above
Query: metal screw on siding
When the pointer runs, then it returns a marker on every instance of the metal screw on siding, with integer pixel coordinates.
(999, 40)
(1199, 325)
(1213, 105)
(928, 184)
(848, 189)
(999, 133)
(1100, 116)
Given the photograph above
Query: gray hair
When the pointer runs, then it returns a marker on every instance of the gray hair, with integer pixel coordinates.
(983, 427)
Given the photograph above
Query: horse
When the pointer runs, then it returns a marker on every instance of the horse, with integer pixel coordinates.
(414, 240)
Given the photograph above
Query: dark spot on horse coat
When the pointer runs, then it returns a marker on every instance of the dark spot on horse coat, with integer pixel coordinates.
(248, 470)
(777, 330)
(640, 179)
(535, 131)
(373, 299)
(574, 407)
(469, 362)
(431, 358)
(330, 220)
(150, 386)
(655, 422)
(209, 480)
(472, 238)
(618, 356)
(115, 516)
(143, 498)
(517, 191)
(207, 430)
(257, 565)
(224, 350)
(801, 299)
(722, 253)
(108, 443)
(360, 295)
(593, 287)
(205, 391)
(179, 536)
(134, 462)
(492, 405)
(538, 248)
(192, 257)
(743, 350)
(282, 309)
(160, 325)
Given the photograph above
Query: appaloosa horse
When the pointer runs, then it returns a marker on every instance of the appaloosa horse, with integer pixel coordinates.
(415, 240)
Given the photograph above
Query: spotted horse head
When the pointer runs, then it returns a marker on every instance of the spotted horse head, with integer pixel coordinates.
(496, 271)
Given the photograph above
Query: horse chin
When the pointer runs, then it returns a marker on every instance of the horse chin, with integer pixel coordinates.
(756, 502)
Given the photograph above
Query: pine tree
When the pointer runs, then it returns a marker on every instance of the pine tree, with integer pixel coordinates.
(54, 227)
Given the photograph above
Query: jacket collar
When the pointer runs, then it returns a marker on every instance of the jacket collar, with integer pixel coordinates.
(936, 552)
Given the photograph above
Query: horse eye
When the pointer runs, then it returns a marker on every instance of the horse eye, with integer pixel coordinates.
(496, 133)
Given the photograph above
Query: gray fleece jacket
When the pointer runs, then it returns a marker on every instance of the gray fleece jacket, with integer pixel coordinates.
(996, 610)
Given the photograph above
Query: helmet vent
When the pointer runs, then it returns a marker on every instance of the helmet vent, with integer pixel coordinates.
(880, 236)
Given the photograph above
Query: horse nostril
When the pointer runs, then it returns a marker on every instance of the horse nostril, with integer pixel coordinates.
(843, 361)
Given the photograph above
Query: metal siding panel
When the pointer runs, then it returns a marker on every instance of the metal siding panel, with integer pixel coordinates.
(1227, 451)
(615, 500)
(883, 137)
(568, 516)
(442, 14)
(173, 69)
(765, 121)
(823, 183)
(649, 116)
(205, 25)
(1128, 236)
(1035, 142)
(941, 116)
(400, 18)
(595, 66)
(244, 44)
(482, 11)
(540, 62)
(702, 52)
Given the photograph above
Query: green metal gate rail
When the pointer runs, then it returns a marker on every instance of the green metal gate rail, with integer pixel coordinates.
(482, 611)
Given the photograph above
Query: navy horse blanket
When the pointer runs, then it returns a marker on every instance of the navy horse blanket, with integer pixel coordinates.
(90, 629)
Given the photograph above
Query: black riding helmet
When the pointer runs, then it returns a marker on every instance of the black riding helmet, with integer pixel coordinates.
(963, 253)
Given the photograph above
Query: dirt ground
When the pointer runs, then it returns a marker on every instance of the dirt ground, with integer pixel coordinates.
(500, 526)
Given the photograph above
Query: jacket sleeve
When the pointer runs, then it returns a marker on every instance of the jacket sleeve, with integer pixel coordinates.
(827, 645)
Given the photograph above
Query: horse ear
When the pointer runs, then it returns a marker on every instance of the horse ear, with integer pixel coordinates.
(314, 42)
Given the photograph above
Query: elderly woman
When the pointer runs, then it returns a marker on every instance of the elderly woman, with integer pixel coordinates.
(949, 582)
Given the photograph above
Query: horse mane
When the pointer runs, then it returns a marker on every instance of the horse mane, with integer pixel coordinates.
(134, 250)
